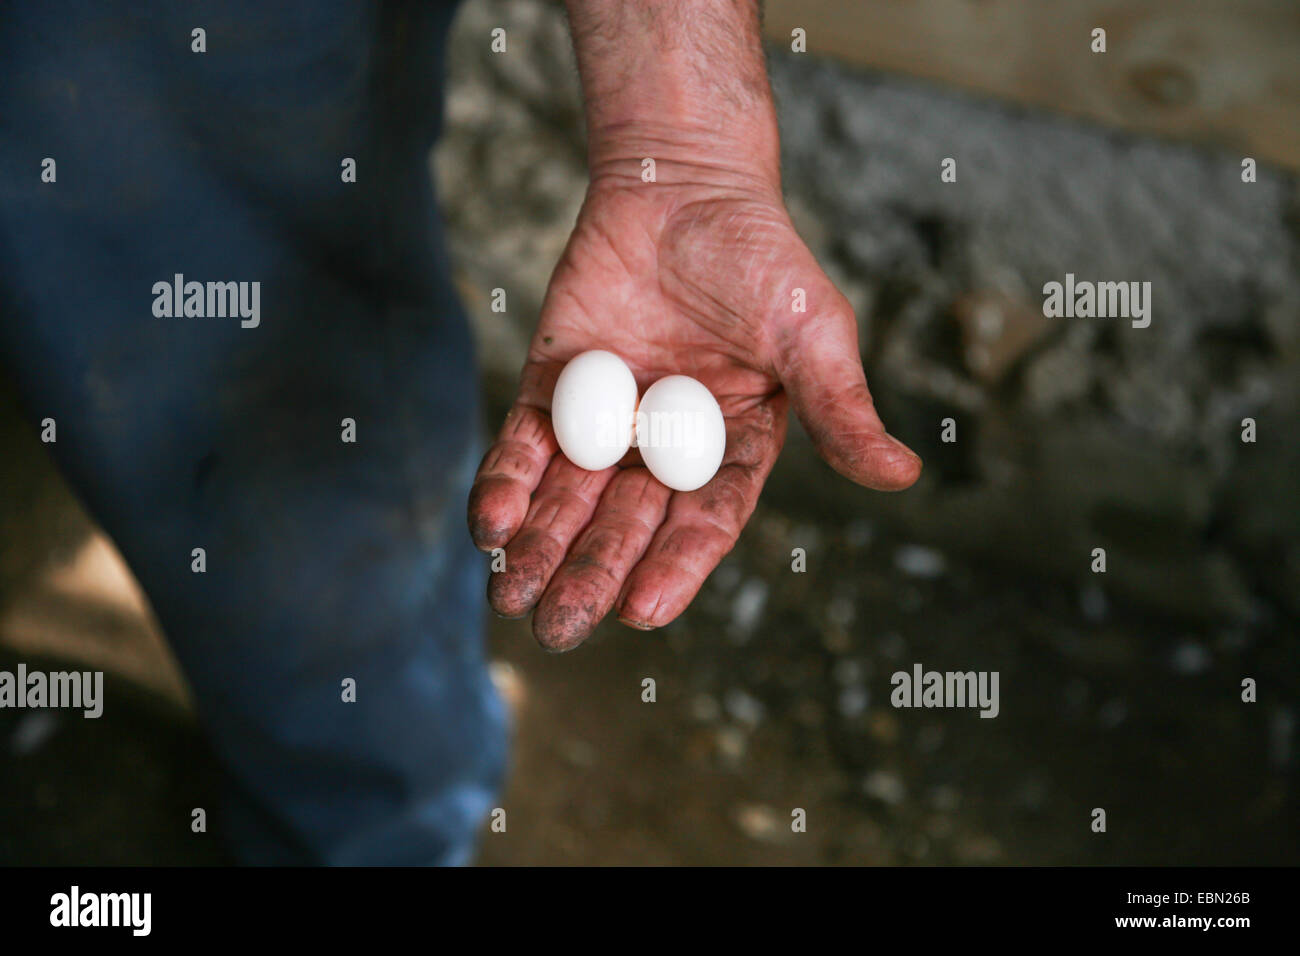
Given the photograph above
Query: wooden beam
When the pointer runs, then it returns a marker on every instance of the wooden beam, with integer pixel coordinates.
(1219, 72)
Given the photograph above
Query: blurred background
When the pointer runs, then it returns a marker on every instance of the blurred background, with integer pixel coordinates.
(1119, 690)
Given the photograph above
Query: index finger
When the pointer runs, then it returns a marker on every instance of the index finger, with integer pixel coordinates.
(702, 526)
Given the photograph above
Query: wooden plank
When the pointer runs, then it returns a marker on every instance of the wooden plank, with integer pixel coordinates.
(1217, 72)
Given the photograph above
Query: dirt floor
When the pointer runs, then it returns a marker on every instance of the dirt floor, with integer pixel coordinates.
(772, 695)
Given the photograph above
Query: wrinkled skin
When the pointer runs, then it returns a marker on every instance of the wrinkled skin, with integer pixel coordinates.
(693, 278)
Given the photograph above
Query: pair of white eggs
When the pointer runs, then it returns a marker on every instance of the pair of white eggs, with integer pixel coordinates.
(677, 425)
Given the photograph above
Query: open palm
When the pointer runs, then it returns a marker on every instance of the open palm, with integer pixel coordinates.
(686, 279)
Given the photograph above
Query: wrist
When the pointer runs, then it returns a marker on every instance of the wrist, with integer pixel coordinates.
(682, 82)
(686, 151)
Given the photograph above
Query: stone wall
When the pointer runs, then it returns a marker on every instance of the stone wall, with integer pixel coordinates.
(1072, 433)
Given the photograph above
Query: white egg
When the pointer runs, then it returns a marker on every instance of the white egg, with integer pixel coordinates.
(592, 409)
(680, 432)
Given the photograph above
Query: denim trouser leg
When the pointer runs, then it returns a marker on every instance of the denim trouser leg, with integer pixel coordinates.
(326, 560)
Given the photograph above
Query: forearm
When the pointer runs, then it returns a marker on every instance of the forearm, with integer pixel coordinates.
(681, 81)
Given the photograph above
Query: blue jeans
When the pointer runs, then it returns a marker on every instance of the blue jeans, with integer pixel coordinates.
(326, 561)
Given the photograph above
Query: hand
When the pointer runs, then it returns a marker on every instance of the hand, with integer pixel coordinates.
(693, 275)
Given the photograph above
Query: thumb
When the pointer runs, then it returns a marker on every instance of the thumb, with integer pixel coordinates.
(819, 365)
